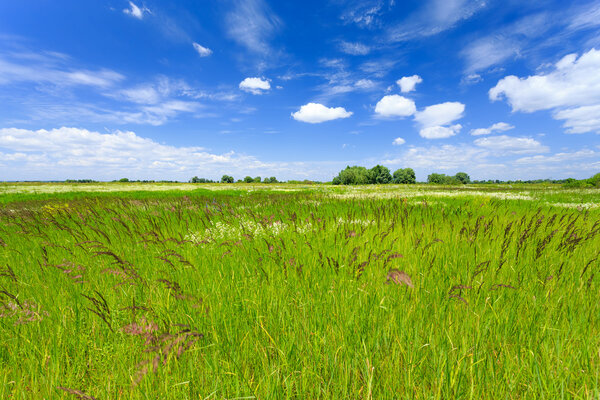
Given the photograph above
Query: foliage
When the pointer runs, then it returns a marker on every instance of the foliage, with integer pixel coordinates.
(379, 175)
(443, 179)
(357, 175)
(248, 179)
(405, 176)
(195, 179)
(226, 179)
(462, 177)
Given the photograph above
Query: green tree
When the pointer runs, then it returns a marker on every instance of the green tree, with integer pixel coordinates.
(354, 175)
(124, 180)
(405, 175)
(226, 179)
(248, 179)
(463, 178)
(271, 180)
(257, 179)
(379, 175)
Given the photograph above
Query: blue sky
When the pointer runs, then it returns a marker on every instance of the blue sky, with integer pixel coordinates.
(298, 90)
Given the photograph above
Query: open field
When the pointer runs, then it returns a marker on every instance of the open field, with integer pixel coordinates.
(182, 291)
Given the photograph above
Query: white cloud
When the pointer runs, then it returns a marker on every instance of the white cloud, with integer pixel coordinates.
(440, 114)
(572, 90)
(142, 95)
(471, 79)
(434, 17)
(559, 158)
(440, 132)
(511, 145)
(315, 113)
(363, 13)
(407, 83)
(398, 141)
(251, 23)
(488, 51)
(136, 11)
(203, 51)
(255, 85)
(497, 127)
(355, 49)
(395, 106)
(50, 70)
(78, 153)
(365, 84)
(580, 119)
(440, 158)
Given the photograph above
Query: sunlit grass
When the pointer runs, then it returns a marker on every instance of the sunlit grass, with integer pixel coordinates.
(268, 294)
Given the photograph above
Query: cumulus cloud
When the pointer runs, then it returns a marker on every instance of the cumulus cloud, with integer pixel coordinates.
(395, 106)
(398, 141)
(407, 83)
(497, 127)
(79, 153)
(355, 49)
(434, 120)
(440, 132)
(440, 114)
(255, 85)
(511, 145)
(136, 11)
(571, 90)
(203, 51)
(315, 113)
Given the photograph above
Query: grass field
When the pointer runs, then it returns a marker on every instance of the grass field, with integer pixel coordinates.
(183, 291)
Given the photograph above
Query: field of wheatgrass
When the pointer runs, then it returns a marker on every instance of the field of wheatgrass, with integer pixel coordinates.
(277, 292)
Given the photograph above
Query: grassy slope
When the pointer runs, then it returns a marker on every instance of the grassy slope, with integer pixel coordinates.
(282, 296)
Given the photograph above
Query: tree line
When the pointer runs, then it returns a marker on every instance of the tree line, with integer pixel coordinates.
(378, 175)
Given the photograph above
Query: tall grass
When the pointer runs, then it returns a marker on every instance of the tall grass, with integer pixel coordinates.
(284, 295)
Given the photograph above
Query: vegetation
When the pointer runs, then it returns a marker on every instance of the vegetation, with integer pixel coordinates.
(404, 175)
(195, 179)
(460, 178)
(269, 294)
(227, 179)
(361, 176)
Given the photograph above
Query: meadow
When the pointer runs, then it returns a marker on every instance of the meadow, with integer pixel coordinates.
(181, 291)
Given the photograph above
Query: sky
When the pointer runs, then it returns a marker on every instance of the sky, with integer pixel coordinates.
(500, 89)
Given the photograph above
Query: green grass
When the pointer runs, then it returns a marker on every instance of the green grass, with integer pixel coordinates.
(270, 294)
